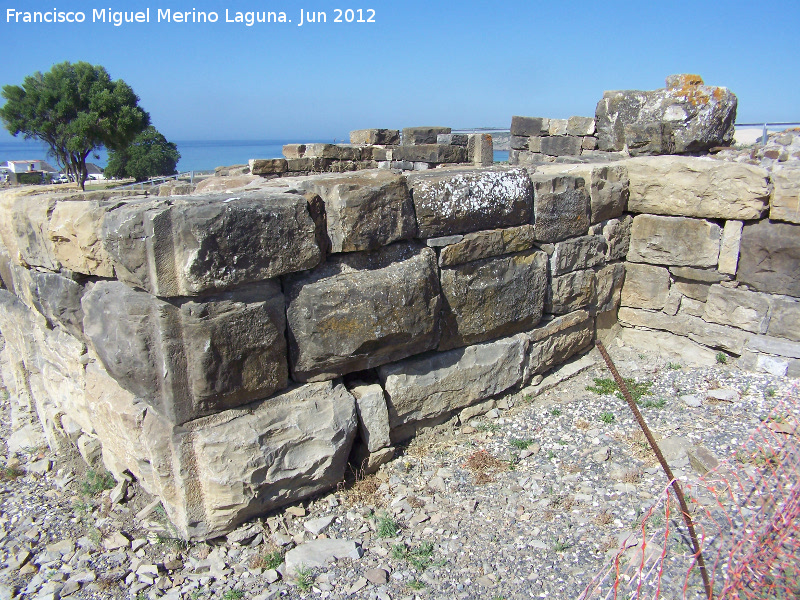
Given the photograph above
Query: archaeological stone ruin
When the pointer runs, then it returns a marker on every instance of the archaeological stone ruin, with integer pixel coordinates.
(233, 346)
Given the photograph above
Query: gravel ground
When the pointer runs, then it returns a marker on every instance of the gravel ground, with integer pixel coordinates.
(531, 500)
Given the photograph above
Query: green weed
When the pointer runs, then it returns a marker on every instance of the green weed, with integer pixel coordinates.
(605, 386)
(415, 584)
(722, 358)
(419, 557)
(233, 595)
(770, 392)
(607, 417)
(556, 412)
(8, 473)
(560, 546)
(551, 454)
(493, 427)
(268, 560)
(660, 403)
(386, 526)
(521, 444)
(674, 366)
(304, 578)
(96, 482)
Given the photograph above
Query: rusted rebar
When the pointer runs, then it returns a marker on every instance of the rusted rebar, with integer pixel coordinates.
(664, 465)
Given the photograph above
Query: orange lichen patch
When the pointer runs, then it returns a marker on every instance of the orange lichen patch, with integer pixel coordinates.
(685, 81)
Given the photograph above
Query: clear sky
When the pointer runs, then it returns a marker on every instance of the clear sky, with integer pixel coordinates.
(459, 64)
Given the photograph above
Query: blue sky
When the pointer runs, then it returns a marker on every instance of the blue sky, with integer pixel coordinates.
(460, 64)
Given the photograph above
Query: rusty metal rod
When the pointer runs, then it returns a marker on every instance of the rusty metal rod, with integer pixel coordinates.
(664, 465)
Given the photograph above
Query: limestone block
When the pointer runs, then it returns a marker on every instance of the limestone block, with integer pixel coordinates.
(367, 462)
(365, 211)
(480, 150)
(560, 145)
(362, 310)
(373, 416)
(57, 298)
(560, 207)
(430, 385)
(485, 244)
(777, 366)
(577, 253)
(770, 259)
(588, 142)
(673, 303)
(729, 247)
(608, 283)
(294, 151)
(492, 297)
(189, 246)
(674, 241)
(534, 144)
(558, 127)
(784, 317)
(690, 306)
(529, 126)
(669, 346)
(607, 184)
(712, 335)
(580, 126)
(453, 139)
(738, 308)
(430, 153)
(646, 286)
(268, 166)
(691, 289)
(784, 205)
(29, 225)
(334, 151)
(698, 275)
(193, 358)
(772, 345)
(308, 165)
(519, 142)
(570, 292)
(6, 266)
(556, 341)
(375, 136)
(618, 236)
(74, 229)
(415, 136)
(697, 187)
(450, 201)
(222, 184)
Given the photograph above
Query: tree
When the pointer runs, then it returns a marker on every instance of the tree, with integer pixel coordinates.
(75, 109)
(149, 155)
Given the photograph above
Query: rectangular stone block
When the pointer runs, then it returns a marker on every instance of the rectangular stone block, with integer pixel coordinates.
(491, 298)
(361, 310)
(775, 346)
(365, 211)
(534, 144)
(451, 201)
(580, 126)
(75, 231)
(607, 185)
(560, 207)
(608, 284)
(480, 150)
(270, 166)
(519, 142)
(191, 245)
(577, 253)
(457, 250)
(646, 286)
(784, 318)
(784, 204)
(554, 342)
(729, 247)
(558, 127)
(415, 136)
(294, 151)
(738, 308)
(618, 236)
(375, 136)
(194, 358)
(373, 416)
(308, 165)
(674, 241)
(770, 257)
(570, 292)
(529, 126)
(335, 151)
(560, 145)
(430, 153)
(588, 143)
(452, 139)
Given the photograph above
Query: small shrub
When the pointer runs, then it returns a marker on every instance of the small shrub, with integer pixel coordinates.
(560, 546)
(233, 595)
(304, 578)
(415, 584)
(268, 560)
(722, 358)
(8, 473)
(551, 455)
(96, 482)
(419, 557)
(607, 417)
(493, 427)
(387, 527)
(770, 392)
(660, 403)
(521, 444)
(603, 386)
(674, 366)
(556, 412)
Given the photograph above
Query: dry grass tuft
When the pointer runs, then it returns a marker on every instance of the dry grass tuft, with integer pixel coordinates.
(483, 465)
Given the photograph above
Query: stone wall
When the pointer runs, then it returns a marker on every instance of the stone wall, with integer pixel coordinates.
(233, 349)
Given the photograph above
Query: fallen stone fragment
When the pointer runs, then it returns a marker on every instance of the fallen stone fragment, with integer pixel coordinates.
(722, 394)
(317, 553)
(691, 400)
(377, 576)
(317, 526)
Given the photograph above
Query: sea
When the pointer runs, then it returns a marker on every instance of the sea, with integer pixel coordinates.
(196, 155)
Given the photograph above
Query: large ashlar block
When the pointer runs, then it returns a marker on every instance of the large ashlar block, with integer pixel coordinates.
(195, 357)
(431, 385)
(430, 153)
(415, 136)
(607, 184)
(784, 205)
(375, 136)
(450, 201)
(485, 244)
(366, 210)
(362, 310)
(646, 286)
(491, 298)
(560, 145)
(571, 292)
(577, 253)
(56, 297)
(697, 187)
(560, 207)
(26, 235)
(608, 284)
(480, 149)
(739, 308)
(729, 247)
(334, 151)
(530, 126)
(554, 342)
(784, 317)
(75, 230)
(618, 236)
(675, 241)
(214, 242)
(770, 260)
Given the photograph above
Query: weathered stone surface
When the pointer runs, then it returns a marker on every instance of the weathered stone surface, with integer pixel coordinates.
(294, 151)
(708, 334)
(770, 261)
(777, 366)
(365, 211)
(607, 185)
(669, 346)
(480, 150)
(739, 308)
(570, 292)
(375, 136)
(685, 117)
(608, 284)
(556, 341)
(493, 297)
(334, 151)
(560, 207)
(558, 127)
(784, 205)
(268, 166)
(373, 416)
(529, 126)
(430, 385)
(415, 136)
(362, 310)
(699, 275)
(646, 286)
(451, 201)
(560, 145)
(784, 317)
(453, 139)
(618, 236)
(74, 229)
(368, 462)
(221, 184)
(57, 298)
(430, 153)
(697, 187)
(309, 165)
(317, 553)
(29, 228)
(729, 247)
(194, 358)
(213, 242)
(519, 142)
(485, 244)
(674, 241)
(580, 126)
(577, 253)
(691, 289)
(772, 345)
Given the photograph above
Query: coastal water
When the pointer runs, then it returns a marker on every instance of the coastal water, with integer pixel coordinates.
(197, 155)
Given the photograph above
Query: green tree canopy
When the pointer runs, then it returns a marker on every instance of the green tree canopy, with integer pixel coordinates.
(149, 155)
(74, 108)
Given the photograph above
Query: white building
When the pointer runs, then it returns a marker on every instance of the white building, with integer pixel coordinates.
(27, 166)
